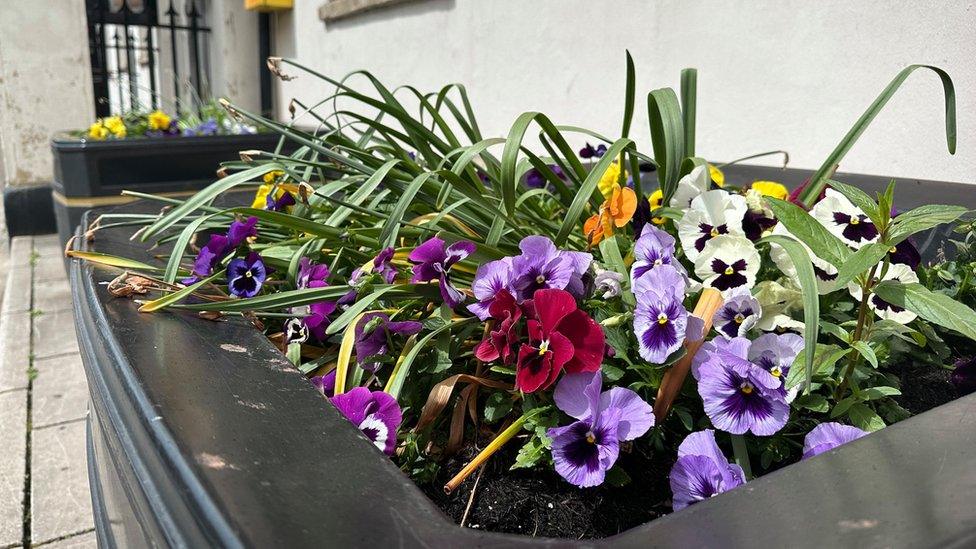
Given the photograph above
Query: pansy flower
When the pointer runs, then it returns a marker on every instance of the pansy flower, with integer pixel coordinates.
(825, 272)
(311, 274)
(433, 261)
(655, 201)
(905, 252)
(325, 384)
(898, 273)
(316, 318)
(702, 471)
(219, 247)
(660, 318)
(375, 413)
(827, 436)
(716, 175)
(374, 331)
(738, 395)
(295, 331)
(691, 186)
(775, 353)
(535, 180)
(560, 336)
(489, 279)
(589, 151)
(583, 451)
(728, 262)
(963, 376)
(777, 301)
(616, 212)
(246, 276)
(607, 282)
(653, 248)
(712, 214)
(738, 314)
(609, 179)
(498, 343)
(844, 220)
(543, 266)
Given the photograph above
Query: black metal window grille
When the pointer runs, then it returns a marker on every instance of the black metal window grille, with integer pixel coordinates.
(147, 54)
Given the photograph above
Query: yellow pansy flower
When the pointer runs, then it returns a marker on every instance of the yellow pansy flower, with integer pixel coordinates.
(717, 176)
(98, 130)
(158, 120)
(273, 176)
(115, 125)
(609, 179)
(655, 200)
(771, 188)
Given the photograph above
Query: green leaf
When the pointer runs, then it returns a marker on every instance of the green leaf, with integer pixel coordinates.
(813, 402)
(935, 307)
(866, 351)
(843, 406)
(864, 418)
(811, 299)
(877, 393)
(392, 226)
(860, 262)
(531, 453)
(497, 406)
(175, 256)
(353, 311)
(111, 260)
(361, 194)
(174, 297)
(617, 477)
(860, 199)
(809, 231)
(629, 94)
(819, 179)
(667, 138)
(921, 219)
(689, 92)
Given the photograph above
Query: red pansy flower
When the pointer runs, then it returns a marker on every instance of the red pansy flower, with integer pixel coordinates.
(498, 343)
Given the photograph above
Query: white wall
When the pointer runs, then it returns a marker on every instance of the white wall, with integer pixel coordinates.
(788, 74)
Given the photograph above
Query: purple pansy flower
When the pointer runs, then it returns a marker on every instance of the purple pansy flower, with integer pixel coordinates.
(589, 151)
(489, 279)
(373, 334)
(279, 204)
(660, 318)
(607, 282)
(535, 180)
(738, 314)
(433, 261)
(311, 274)
(702, 471)
(382, 264)
(584, 450)
(375, 413)
(325, 384)
(740, 396)
(541, 265)
(316, 319)
(775, 353)
(246, 276)
(240, 231)
(827, 436)
(964, 376)
(219, 247)
(207, 127)
(653, 248)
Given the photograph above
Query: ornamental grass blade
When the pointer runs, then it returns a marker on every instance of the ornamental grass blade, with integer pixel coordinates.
(169, 299)
(630, 93)
(586, 190)
(667, 137)
(173, 264)
(819, 179)
(392, 225)
(272, 302)
(934, 307)
(811, 299)
(111, 260)
(689, 99)
(402, 369)
(361, 194)
(346, 348)
(355, 309)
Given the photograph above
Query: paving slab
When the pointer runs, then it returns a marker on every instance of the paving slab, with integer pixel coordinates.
(60, 391)
(48, 245)
(15, 336)
(54, 334)
(21, 248)
(80, 541)
(53, 295)
(49, 268)
(17, 290)
(60, 498)
(13, 431)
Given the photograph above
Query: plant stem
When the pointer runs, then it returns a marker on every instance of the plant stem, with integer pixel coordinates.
(741, 452)
(483, 456)
(862, 315)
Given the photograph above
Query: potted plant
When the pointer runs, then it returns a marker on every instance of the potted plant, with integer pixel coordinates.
(552, 332)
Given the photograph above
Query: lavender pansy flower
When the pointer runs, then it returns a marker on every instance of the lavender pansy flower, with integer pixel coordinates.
(246, 276)
(607, 282)
(712, 214)
(373, 334)
(654, 247)
(535, 180)
(740, 396)
(827, 436)
(207, 127)
(584, 450)
(845, 220)
(775, 353)
(727, 263)
(702, 471)
(738, 314)
(325, 384)
(375, 413)
(543, 266)
(660, 318)
(489, 279)
(433, 261)
(896, 272)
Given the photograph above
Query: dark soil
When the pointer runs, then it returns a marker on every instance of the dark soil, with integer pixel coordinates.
(541, 503)
(923, 386)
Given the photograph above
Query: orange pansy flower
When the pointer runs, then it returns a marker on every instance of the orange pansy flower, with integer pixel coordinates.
(616, 211)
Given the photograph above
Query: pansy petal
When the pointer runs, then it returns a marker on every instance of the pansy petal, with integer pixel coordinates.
(636, 416)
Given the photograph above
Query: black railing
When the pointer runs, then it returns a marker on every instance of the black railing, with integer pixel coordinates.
(142, 58)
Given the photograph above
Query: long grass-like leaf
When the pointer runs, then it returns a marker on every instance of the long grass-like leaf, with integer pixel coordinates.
(689, 99)
(667, 137)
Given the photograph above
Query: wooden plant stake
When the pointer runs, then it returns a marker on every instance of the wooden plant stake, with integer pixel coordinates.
(708, 304)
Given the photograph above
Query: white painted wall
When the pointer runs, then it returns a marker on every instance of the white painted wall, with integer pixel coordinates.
(788, 74)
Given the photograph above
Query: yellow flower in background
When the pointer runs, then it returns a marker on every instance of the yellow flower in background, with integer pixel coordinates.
(609, 179)
(158, 120)
(655, 200)
(273, 176)
(771, 188)
(98, 130)
(717, 176)
(115, 125)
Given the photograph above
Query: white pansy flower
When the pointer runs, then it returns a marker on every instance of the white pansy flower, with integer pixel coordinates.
(899, 273)
(712, 214)
(825, 272)
(690, 187)
(728, 262)
(844, 220)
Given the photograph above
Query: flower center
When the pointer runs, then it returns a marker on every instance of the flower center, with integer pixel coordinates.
(543, 347)
(590, 437)
(714, 232)
(247, 274)
(541, 279)
(746, 388)
(855, 220)
(658, 261)
(776, 371)
(739, 319)
(729, 270)
(894, 249)
(662, 319)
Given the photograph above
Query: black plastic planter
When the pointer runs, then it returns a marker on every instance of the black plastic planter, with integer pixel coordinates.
(202, 434)
(92, 173)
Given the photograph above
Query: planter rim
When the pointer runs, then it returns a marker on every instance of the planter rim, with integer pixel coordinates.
(909, 484)
(65, 142)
